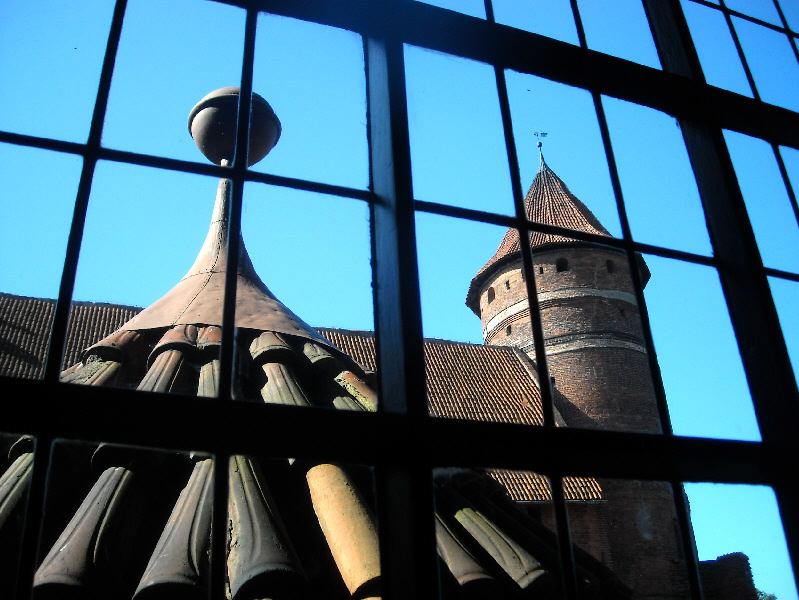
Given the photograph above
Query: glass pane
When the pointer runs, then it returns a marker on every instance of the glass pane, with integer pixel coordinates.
(630, 529)
(758, 9)
(150, 95)
(16, 470)
(115, 515)
(302, 527)
(706, 390)
(467, 379)
(457, 145)
(593, 337)
(50, 57)
(318, 92)
(160, 349)
(772, 62)
(619, 28)
(572, 145)
(791, 11)
(318, 337)
(36, 210)
(494, 532)
(739, 536)
(767, 202)
(786, 299)
(474, 8)
(716, 49)
(660, 192)
(552, 18)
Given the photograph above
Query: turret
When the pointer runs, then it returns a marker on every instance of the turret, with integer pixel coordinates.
(592, 329)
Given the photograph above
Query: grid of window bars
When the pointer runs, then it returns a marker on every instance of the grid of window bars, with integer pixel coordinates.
(48, 409)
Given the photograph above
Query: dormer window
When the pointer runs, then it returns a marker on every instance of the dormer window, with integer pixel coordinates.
(561, 265)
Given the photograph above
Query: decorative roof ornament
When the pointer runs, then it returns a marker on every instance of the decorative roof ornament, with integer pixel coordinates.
(198, 297)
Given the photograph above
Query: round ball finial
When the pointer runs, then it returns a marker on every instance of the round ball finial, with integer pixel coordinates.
(212, 125)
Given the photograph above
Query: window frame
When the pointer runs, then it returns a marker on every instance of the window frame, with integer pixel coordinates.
(50, 410)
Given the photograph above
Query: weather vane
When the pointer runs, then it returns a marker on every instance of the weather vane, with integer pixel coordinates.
(540, 135)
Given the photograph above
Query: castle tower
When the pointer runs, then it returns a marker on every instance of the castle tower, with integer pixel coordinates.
(597, 357)
(592, 329)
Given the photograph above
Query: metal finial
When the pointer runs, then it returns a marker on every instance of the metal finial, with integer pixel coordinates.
(539, 135)
(212, 124)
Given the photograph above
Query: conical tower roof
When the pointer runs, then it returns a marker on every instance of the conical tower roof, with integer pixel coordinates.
(548, 201)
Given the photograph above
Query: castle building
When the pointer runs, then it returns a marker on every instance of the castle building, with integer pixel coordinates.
(133, 523)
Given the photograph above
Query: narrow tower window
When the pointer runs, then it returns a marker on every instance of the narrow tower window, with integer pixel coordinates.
(491, 295)
(507, 285)
(561, 265)
(507, 330)
(611, 266)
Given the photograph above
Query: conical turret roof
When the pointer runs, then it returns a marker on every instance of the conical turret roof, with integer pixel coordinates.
(548, 201)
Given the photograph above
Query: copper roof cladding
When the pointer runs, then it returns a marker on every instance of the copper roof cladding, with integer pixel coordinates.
(548, 201)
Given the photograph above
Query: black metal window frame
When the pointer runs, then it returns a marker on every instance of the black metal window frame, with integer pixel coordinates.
(51, 410)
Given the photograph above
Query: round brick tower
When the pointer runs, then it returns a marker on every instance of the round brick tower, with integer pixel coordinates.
(592, 329)
(598, 360)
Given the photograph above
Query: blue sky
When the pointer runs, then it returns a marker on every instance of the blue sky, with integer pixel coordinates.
(157, 220)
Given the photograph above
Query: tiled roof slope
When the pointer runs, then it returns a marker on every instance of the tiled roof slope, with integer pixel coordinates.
(481, 383)
(25, 329)
(548, 201)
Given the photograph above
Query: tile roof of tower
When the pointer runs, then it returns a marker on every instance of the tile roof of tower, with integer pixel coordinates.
(550, 202)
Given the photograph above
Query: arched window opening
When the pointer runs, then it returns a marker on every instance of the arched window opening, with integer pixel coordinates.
(507, 330)
(491, 295)
(540, 270)
(561, 265)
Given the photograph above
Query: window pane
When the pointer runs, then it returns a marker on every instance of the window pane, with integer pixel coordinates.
(317, 89)
(772, 62)
(660, 192)
(457, 147)
(733, 523)
(786, 299)
(312, 252)
(133, 508)
(494, 532)
(619, 28)
(633, 532)
(150, 95)
(474, 8)
(757, 9)
(791, 12)
(50, 57)
(706, 390)
(716, 48)
(552, 18)
(36, 211)
(767, 203)
(467, 379)
(572, 146)
(16, 470)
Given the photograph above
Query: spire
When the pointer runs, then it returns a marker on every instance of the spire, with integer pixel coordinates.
(548, 201)
(198, 297)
